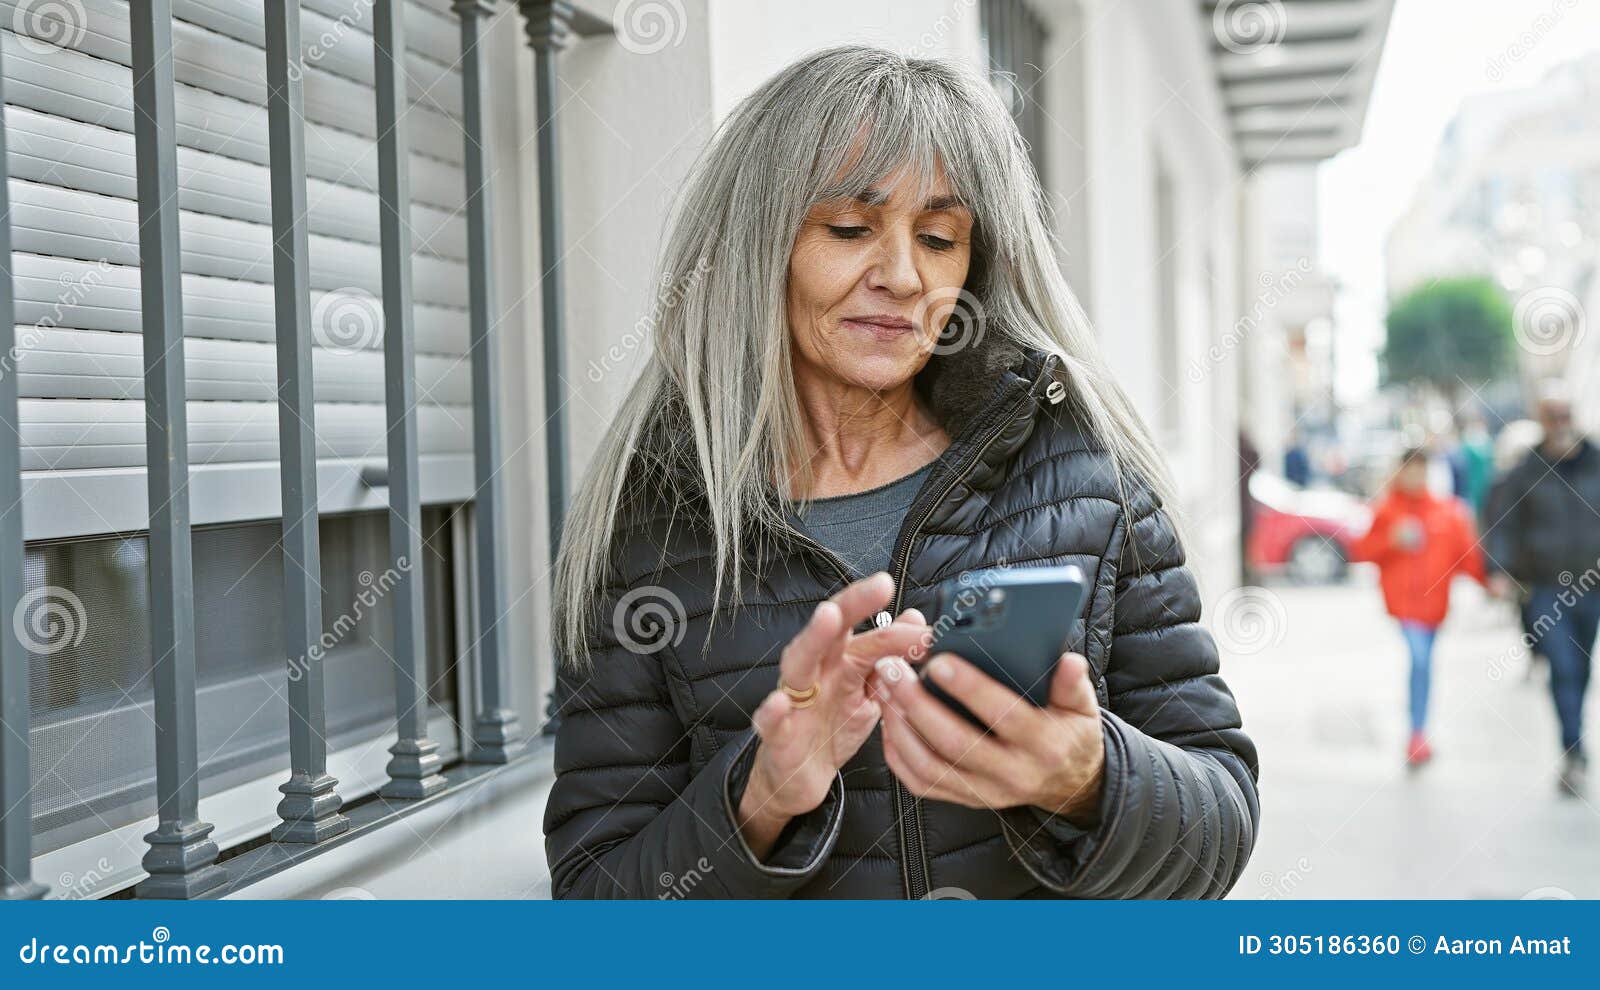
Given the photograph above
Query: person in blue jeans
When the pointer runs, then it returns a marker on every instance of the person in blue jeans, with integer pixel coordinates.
(1545, 536)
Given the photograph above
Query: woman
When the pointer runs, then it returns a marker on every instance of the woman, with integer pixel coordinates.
(1420, 541)
(878, 367)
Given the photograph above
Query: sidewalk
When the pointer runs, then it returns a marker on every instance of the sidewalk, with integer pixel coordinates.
(1342, 816)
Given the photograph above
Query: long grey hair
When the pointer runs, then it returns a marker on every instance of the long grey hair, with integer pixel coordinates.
(716, 400)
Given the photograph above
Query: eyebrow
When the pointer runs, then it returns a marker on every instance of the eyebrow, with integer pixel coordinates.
(876, 197)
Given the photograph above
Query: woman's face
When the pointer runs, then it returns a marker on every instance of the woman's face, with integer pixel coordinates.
(872, 280)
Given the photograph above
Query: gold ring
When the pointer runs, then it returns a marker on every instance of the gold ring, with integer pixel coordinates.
(802, 699)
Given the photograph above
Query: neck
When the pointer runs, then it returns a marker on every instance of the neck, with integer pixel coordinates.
(859, 438)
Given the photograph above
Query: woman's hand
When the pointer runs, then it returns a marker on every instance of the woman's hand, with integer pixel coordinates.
(1052, 758)
(802, 749)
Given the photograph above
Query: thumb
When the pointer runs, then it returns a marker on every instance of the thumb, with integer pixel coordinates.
(1070, 687)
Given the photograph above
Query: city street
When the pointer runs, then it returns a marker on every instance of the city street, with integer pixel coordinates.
(1321, 677)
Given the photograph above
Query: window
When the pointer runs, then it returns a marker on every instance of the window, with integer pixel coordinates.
(1014, 38)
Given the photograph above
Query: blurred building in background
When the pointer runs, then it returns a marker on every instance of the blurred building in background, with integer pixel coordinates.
(1512, 194)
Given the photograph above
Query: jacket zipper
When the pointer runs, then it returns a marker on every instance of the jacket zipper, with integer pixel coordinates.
(907, 808)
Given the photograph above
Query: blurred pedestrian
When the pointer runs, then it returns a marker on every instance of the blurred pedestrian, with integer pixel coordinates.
(1297, 461)
(1547, 539)
(1474, 459)
(1419, 541)
(1515, 440)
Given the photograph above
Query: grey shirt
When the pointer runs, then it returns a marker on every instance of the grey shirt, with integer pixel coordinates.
(861, 528)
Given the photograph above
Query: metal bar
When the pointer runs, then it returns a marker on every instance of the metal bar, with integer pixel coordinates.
(310, 805)
(495, 730)
(182, 857)
(16, 781)
(414, 767)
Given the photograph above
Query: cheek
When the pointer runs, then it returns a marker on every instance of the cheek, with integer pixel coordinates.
(820, 276)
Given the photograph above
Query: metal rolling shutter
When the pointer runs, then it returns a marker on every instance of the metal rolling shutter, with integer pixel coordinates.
(69, 116)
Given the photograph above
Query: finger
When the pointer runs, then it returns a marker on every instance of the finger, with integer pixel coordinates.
(898, 639)
(1071, 689)
(1007, 713)
(770, 715)
(912, 615)
(955, 739)
(802, 656)
(924, 772)
(865, 598)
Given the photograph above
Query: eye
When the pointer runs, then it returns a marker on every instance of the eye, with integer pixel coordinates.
(937, 243)
(847, 233)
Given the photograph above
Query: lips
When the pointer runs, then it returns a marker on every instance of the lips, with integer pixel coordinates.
(884, 326)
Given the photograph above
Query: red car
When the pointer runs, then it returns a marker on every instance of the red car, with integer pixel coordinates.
(1305, 534)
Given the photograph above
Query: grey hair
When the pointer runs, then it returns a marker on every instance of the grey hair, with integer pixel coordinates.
(716, 398)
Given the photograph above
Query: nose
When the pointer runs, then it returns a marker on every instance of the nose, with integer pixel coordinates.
(894, 269)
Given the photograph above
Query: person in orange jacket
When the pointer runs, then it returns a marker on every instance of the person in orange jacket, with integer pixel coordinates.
(1419, 541)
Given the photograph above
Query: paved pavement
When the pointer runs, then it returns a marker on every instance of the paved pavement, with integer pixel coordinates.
(1321, 677)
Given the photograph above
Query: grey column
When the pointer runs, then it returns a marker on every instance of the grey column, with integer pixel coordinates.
(310, 805)
(16, 809)
(495, 730)
(414, 767)
(181, 860)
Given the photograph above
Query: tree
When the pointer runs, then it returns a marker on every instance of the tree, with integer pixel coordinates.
(1449, 333)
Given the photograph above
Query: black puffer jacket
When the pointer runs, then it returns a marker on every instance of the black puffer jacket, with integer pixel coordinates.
(655, 742)
(1534, 521)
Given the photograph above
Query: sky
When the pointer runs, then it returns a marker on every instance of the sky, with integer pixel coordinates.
(1437, 53)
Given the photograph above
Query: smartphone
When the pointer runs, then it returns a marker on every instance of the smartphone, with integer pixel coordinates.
(1012, 623)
